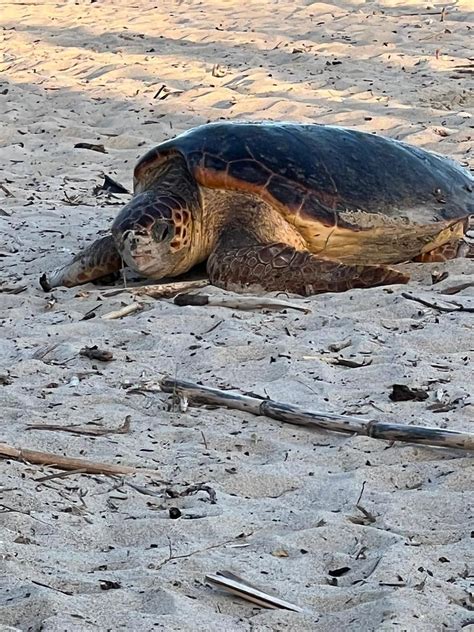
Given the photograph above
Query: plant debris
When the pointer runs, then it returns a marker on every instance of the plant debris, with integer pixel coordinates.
(94, 353)
(100, 148)
(106, 584)
(243, 589)
(404, 393)
(110, 185)
(339, 572)
(351, 363)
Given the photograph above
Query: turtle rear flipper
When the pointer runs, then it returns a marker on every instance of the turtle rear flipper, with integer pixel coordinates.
(98, 260)
(460, 245)
(279, 267)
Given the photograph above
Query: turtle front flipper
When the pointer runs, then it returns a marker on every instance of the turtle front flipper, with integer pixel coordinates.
(97, 260)
(280, 267)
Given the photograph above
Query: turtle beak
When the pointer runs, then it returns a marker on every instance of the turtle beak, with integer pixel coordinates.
(131, 239)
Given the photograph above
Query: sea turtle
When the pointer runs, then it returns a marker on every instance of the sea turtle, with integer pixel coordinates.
(285, 207)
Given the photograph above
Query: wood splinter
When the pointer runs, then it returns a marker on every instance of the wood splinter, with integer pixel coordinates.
(289, 413)
(124, 311)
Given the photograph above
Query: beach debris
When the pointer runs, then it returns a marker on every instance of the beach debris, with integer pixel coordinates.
(163, 92)
(110, 185)
(219, 71)
(159, 290)
(335, 347)
(238, 302)
(192, 489)
(100, 148)
(12, 289)
(454, 289)
(467, 69)
(443, 406)
(73, 200)
(126, 310)
(94, 353)
(437, 276)
(174, 513)
(242, 588)
(351, 363)
(404, 393)
(107, 584)
(288, 413)
(442, 307)
(98, 431)
(365, 519)
(7, 192)
(50, 303)
(339, 572)
(68, 463)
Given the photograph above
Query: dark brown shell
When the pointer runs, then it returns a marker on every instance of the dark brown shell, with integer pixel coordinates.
(323, 173)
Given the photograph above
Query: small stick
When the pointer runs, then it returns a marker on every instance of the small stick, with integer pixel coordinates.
(238, 302)
(12, 289)
(68, 463)
(6, 191)
(51, 477)
(161, 290)
(289, 413)
(448, 307)
(80, 430)
(454, 289)
(124, 311)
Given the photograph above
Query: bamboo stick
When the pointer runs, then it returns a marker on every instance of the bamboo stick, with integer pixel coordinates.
(289, 413)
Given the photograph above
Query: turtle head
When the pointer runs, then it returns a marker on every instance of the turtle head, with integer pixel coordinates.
(153, 234)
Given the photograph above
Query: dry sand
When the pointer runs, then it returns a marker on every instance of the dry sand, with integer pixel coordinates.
(92, 72)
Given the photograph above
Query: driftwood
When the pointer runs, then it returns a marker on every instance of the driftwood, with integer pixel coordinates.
(160, 290)
(238, 302)
(68, 463)
(289, 413)
(240, 587)
(124, 311)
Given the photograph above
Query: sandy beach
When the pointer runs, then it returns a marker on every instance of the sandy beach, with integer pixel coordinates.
(361, 534)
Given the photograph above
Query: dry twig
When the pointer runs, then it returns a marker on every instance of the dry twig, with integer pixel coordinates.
(123, 311)
(446, 307)
(68, 463)
(80, 430)
(239, 302)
